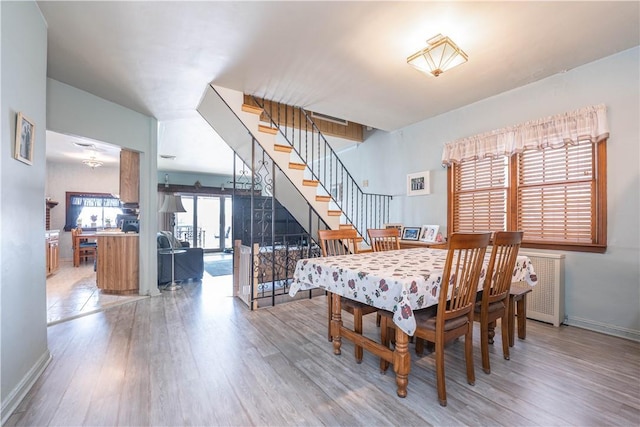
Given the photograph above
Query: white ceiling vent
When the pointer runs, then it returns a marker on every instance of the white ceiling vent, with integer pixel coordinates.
(329, 118)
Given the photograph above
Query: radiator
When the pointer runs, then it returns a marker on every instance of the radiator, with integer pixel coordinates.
(546, 301)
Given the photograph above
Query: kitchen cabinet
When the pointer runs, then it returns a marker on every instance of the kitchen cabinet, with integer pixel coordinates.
(129, 176)
(52, 251)
(117, 267)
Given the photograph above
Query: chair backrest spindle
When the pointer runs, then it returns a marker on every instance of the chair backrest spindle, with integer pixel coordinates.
(338, 242)
(384, 239)
(461, 274)
(504, 253)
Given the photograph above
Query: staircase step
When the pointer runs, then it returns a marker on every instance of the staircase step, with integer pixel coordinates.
(310, 183)
(334, 212)
(283, 148)
(346, 227)
(251, 109)
(267, 129)
(323, 198)
(297, 166)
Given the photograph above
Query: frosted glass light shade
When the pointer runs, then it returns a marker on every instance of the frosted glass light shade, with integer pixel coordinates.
(440, 55)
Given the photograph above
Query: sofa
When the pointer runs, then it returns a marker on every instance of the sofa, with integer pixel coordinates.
(188, 264)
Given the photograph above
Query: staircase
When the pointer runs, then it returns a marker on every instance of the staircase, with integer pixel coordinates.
(313, 169)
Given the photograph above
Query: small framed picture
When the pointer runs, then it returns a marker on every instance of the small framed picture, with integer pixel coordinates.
(410, 233)
(429, 233)
(25, 138)
(394, 225)
(418, 183)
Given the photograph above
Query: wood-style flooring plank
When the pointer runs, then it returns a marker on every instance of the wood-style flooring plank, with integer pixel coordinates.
(198, 357)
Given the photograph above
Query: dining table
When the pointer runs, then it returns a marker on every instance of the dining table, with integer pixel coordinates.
(400, 281)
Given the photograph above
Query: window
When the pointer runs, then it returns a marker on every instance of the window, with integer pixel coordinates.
(557, 196)
(480, 197)
(546, 177)
(91, 210)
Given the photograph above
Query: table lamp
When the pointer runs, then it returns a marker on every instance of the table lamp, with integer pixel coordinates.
(172, 204)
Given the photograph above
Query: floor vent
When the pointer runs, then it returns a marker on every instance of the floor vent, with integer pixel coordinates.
(546, 301)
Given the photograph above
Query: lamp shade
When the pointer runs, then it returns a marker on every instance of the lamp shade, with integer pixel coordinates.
(172, 204)
(440, 55)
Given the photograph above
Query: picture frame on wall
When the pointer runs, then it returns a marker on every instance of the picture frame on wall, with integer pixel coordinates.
(410, 233)
(429, 233)
(25, 139)
(419, 183)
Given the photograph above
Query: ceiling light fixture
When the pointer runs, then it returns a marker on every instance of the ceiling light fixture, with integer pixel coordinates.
(92, 162)
(440, 55)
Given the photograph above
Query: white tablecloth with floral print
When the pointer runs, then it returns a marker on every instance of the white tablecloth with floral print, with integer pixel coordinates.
(398, 281)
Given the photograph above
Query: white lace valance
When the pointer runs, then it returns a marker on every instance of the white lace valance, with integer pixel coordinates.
(587, 124)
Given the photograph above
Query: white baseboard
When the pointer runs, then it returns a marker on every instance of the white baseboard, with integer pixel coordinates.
(604, 328)
(17, 394)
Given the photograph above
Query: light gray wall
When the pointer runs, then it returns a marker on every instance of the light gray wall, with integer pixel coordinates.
(23, 318)
(74, 112)
(602, 290)
(65, 176)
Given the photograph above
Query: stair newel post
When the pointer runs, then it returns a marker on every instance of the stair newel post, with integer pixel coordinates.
(252, 209)
(273, 231)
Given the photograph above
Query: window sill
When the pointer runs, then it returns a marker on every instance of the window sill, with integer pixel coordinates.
(566, 247)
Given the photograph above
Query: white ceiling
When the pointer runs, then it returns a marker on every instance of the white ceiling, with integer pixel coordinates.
(345, 59)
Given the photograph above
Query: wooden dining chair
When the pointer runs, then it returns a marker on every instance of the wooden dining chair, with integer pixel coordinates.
(454, 313)
(82, 248)
(495, 292)
(343, 242)
(384, 239)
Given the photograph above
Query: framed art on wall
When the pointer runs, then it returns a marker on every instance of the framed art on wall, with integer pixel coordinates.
(418, 183)
(25, 138)
(410, 233)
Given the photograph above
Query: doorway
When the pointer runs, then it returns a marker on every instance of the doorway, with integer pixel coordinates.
(207, 221)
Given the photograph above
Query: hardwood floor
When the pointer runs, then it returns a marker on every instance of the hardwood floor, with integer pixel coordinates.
(72, 292)
(199, 357)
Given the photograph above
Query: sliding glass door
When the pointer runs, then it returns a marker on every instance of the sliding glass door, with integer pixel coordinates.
(206, 223)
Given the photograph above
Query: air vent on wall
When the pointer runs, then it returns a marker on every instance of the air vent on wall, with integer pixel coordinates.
(329, 118)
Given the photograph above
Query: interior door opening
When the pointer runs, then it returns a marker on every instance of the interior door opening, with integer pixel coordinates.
(206, 223)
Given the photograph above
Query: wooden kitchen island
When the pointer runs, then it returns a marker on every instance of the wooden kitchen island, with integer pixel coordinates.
(117, 263)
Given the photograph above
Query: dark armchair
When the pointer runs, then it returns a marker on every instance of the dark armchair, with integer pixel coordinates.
(188, 264)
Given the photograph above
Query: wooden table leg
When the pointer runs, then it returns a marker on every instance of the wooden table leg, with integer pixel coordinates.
(517, 295)
(511, 319)
(522, 317)
(402, 362)
(336, 322)
(329, 308)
